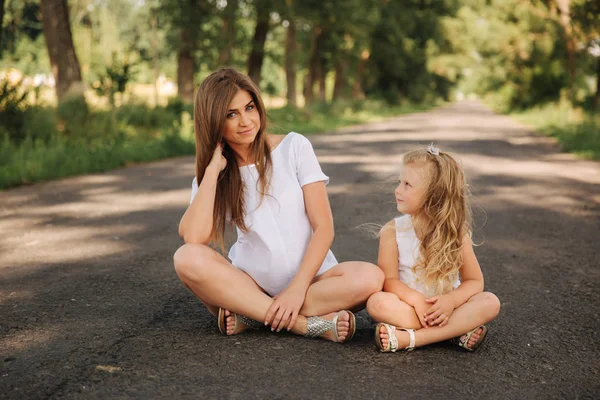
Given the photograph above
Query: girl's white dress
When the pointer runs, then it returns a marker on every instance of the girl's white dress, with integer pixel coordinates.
(278, 229)
(408, 253)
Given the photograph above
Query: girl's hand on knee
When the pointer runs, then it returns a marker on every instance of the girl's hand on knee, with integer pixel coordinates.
(440, 310)
(284, 310)
(421, 307)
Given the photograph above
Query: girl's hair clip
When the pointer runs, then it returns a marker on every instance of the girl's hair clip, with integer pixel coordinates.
(433, 150)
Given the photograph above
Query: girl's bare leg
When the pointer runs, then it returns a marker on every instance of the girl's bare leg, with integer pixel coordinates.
(219, 284)
(346, 286)
(480, 309)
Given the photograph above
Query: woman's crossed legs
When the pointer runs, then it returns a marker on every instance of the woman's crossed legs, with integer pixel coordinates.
(217, 283)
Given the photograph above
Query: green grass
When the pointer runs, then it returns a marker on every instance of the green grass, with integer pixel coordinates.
(98, 141)
(577, 131)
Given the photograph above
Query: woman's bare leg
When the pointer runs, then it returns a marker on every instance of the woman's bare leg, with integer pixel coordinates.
(346, 286)
(205, 272)
(480, 309)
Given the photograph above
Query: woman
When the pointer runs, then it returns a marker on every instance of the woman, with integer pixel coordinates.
(282, 272)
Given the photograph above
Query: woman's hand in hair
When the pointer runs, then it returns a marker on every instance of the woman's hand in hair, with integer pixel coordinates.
(284, 310)
(218, 161)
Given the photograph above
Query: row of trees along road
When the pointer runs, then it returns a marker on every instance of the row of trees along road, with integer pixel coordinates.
(528, 52)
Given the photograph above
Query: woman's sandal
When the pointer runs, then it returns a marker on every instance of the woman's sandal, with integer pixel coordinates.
(316, 326)
(222, 322)
(463, 341)
(392, 344)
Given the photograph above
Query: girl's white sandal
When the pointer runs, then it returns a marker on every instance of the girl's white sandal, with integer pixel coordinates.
(392, 344)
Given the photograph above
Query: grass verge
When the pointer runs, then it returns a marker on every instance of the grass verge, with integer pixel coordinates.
(101, 141)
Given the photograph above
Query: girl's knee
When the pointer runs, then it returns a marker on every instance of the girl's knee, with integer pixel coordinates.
(379, 305)
(491, 304)
(189, 261)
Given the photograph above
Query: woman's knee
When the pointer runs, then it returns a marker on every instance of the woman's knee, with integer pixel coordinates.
(369, 279)
(190, 261)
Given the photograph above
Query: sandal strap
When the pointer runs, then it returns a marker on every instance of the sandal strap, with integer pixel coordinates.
(411, 339)
(392, 339)
(316, 326)
(249, 322)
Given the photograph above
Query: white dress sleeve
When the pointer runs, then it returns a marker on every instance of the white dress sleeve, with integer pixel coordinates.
(194, 189)
(308, 169)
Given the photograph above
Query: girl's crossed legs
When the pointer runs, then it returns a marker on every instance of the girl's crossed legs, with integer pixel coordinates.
(217, 283)
(387, 307)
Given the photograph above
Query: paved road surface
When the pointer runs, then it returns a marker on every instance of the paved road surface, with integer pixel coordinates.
(91, 306)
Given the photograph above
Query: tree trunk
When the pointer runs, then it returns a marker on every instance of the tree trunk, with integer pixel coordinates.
(290, 62)
(357, 91)
(185, 68)
(339, 86)
(322, 80)
(596, 100)
(1, 23)
(155, 55)
(59, 40)
(565, 22)
(257, 55)
(313, 65)
(228, 32)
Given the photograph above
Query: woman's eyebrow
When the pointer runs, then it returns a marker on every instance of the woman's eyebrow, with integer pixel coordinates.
(235, 109)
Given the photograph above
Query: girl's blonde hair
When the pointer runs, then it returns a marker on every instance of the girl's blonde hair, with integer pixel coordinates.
(443, 219)
(210, 111)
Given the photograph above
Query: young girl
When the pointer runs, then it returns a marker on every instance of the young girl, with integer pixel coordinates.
(433, 288)
(280, 271)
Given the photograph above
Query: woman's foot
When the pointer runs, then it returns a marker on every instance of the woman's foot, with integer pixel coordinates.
(337, 326)
(230, 324)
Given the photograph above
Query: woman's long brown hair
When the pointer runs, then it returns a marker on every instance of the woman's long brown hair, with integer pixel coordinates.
(210, 111)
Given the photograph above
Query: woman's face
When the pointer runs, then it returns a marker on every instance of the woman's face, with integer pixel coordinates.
(242, 122)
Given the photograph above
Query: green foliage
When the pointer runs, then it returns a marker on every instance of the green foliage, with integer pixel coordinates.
(577, 131)
(13, 103)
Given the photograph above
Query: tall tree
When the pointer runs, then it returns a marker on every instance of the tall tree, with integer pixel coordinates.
(228, 32)
(564, 7)
(1, 24)
(257, 54)
(59, 40)
(290, 61)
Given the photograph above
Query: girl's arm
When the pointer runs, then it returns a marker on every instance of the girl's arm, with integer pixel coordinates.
(197, 222)
(471, 284)
(470, 276)
(388, 262)
(289, 302)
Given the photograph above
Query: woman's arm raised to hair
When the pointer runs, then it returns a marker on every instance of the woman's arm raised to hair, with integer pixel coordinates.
(388, 262)
(197, 223)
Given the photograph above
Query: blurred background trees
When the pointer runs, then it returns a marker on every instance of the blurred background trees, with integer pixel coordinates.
(134, 64)
(519, 52)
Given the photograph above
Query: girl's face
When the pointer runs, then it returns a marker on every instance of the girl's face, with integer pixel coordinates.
(411, 188)
(242, 122)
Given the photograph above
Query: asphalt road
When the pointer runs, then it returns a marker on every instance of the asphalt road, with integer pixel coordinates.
(91, 306)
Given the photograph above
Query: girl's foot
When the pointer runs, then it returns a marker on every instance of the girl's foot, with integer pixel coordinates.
(343, 326)
(402, 336)
(474, 338)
